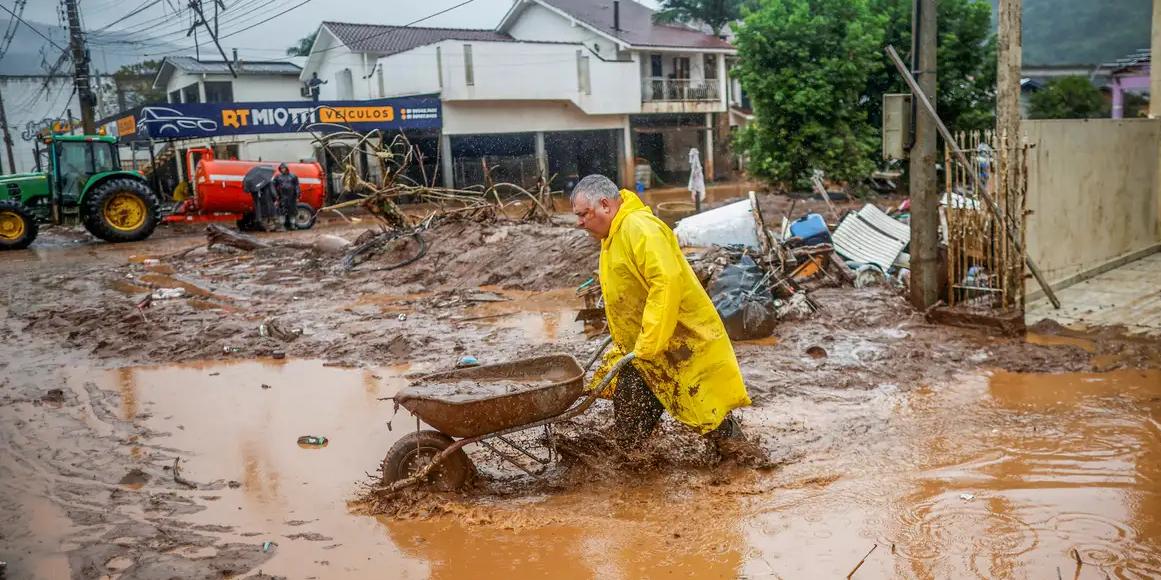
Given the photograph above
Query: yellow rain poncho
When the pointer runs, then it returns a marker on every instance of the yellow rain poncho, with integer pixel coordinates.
(657, 308)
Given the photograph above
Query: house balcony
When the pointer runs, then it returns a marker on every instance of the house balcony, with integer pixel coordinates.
(666, 95)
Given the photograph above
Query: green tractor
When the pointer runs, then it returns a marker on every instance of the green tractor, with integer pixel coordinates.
(85, 184)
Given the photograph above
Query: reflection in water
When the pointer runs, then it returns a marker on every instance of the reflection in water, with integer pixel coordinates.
(658, 529)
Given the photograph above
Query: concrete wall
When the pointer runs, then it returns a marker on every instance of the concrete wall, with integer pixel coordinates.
(246, 88)
(28, 107)
(332, 66)
(470, 118)
(541, 24)
(1092, 190)
(510, 71)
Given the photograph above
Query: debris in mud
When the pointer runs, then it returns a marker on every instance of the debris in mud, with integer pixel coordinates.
(134, 479)
(313, 442)
(816, 352)
(53, 396)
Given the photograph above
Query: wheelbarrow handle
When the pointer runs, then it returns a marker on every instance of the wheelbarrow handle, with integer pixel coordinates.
(614, 371)
(596, 355)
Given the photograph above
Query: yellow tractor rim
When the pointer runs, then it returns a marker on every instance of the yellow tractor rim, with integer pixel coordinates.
(11, 225)
(124, 211)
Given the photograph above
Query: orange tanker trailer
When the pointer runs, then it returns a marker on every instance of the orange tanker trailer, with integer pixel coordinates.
(217, 193)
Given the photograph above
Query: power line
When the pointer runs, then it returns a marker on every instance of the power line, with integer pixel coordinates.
(237, 32)
(10, 31)
(38, 33)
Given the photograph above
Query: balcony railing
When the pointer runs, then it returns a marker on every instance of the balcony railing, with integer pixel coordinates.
(656, 89)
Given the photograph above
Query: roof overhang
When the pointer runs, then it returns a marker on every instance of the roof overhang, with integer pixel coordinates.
(163, 73)
(520, 5)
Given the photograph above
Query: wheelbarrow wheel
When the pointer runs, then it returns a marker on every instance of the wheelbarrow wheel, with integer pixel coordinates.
(416, 450)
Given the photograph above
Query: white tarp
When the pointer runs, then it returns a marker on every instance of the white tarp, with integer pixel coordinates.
(726, 225)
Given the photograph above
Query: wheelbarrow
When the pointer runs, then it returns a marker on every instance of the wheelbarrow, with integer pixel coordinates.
(552, 390)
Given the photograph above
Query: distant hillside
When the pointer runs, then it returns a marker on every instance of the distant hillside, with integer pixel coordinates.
(31, 55)
(1083, 31)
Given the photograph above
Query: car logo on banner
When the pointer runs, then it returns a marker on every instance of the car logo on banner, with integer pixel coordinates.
(160, 122)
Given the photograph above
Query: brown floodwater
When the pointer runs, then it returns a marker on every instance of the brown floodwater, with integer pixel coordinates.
(995, 475)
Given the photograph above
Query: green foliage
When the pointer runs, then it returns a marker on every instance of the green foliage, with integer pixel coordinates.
(966, 79)
(805, 65)
(303, 46)
(714, 13)
(134, 84)
(1072, 97)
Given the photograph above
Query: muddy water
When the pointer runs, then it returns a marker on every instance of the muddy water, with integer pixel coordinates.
(990, 476)
(236, 427)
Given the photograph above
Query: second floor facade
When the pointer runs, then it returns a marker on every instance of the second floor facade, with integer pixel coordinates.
(602, 56)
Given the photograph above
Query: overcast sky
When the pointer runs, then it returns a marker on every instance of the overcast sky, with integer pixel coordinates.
(166, 21)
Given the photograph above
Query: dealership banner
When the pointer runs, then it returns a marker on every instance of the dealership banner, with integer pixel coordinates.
(195, 120)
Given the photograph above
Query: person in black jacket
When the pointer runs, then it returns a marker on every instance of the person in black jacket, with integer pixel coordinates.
(286, 186)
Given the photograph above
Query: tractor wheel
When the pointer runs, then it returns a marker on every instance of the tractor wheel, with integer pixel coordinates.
(305, 218)
(416, 450)
(17, 226)
(121, 210)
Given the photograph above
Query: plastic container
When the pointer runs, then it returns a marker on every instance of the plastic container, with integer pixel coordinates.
(812, 229)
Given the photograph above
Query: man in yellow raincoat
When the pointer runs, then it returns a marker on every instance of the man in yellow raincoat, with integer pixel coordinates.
(658, 310)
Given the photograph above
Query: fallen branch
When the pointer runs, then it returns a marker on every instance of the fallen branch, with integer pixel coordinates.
(177, 478)
(216, 234)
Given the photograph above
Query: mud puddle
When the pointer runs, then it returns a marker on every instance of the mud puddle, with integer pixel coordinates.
(994, 476)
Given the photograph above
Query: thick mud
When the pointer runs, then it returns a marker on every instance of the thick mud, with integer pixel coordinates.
(161, 441)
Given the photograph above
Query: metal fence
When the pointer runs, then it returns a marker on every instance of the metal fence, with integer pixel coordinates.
(521, 170)
(985, 267)
(659, 89)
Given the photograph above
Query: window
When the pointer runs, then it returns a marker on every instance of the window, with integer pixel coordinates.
(190, 94)
(584, 84)
(655, 67)
(469, 74)
(681, 67)
(346, 84)
(175, 96)
(711, 67)
(219, 92)
(74, 164)
(104, 157)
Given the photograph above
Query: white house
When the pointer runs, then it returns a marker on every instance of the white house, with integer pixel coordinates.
(571, 86)
(188, 80)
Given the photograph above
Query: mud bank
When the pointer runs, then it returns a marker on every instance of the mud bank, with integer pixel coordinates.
(877, 422)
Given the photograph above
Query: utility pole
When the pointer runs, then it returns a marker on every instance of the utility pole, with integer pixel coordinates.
(925, 274)
(7, 137)
(81, 68)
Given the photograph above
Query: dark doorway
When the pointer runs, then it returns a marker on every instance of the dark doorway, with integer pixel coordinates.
(575, 154)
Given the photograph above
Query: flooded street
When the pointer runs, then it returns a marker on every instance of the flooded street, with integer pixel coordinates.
(998, 475)
(163, 442)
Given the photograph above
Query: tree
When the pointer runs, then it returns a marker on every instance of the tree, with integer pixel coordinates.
(966, 79)
(134, 85)
(303, 46)
(805, 65)
(1072, 97)
(713, 13)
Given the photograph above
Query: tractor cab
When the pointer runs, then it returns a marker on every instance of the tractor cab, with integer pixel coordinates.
(76, 160)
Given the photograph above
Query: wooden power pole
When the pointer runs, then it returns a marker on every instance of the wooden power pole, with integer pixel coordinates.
(925, 271)
(81, 78)
(1008, 63)
(7, 137)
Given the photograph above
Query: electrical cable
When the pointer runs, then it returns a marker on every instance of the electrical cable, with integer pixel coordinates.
(38, 33)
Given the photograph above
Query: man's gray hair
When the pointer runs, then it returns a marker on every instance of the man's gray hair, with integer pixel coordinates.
(594, 187)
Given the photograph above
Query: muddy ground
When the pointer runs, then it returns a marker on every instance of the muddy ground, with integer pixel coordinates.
(101, 395)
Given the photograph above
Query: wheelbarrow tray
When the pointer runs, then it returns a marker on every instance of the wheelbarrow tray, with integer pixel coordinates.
(554, 383)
